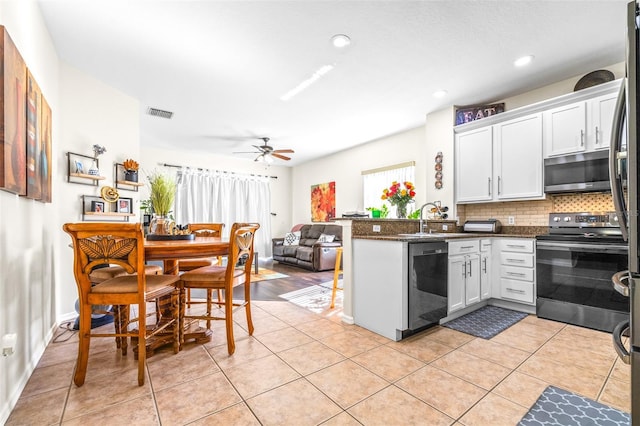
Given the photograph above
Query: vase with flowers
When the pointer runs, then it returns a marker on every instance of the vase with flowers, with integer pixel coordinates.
(399, 195)
(97, 151)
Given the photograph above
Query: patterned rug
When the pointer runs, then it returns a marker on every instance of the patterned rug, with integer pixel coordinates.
(560, 407)
(316, 298)
(486, 322)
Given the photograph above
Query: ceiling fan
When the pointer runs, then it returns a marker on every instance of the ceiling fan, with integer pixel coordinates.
(266, 152)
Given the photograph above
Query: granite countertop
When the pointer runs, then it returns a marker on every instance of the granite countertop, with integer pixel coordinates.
(438, 236)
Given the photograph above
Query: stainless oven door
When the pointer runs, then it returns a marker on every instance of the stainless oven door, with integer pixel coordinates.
(574, 283)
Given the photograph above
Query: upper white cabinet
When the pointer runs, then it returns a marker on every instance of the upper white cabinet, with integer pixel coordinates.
(474, 165)
(519, 158)
(500, 162)
(580, 126)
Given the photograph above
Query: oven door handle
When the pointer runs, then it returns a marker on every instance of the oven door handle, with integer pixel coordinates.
(623, 353)
(607, 248)
(618, 279)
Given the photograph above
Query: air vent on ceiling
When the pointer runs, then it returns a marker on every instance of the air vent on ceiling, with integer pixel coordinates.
(159, 113)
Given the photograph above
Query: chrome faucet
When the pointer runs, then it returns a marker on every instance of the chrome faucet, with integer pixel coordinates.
(435, 204)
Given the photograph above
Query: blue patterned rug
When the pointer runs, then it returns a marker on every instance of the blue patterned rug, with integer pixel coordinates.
(559, 407)
(486, 322)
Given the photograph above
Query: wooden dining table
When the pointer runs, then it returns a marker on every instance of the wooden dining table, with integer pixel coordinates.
(169, 252)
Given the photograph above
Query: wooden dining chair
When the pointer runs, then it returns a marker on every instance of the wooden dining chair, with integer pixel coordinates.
(226, 278)
(184, 265)
(120, 244)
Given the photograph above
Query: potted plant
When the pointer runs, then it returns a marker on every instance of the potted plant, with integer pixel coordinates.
(130, 170)
(97, 151)
(161, 197)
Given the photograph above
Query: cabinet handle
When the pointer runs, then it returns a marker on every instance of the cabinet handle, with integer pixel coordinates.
(581, 137)
(515, 260)
(464, 270)
(489, 187)
(466, 247)
(499, 181)
(484, 265)
(470, 269)
(597, 141)
(515, 274)
(516, 245)
(515, 290)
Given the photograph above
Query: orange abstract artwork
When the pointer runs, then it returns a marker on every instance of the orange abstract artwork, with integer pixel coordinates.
(323, 202)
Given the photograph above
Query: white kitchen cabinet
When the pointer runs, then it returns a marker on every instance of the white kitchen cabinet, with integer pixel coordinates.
(485, 269)
(517, 270)
(500, 162)
(565, 128)
(474, 165)
(582, 126)
(519, 165)
(463, 274)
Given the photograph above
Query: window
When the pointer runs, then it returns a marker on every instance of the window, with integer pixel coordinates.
(375, 180)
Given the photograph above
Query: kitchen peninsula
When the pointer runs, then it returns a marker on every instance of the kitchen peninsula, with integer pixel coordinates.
(458, 273)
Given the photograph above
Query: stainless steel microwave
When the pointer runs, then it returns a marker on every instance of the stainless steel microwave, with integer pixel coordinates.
(583, 172)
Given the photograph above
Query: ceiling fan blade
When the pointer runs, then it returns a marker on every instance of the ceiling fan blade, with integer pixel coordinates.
(290, 151)
(282, 157)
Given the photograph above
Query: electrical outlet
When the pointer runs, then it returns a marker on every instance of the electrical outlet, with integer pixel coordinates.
(512, 220)
(445, 227)
(376, 228)
(9, 343)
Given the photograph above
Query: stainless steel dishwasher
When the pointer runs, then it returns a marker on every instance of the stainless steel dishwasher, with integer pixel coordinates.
(427, 284)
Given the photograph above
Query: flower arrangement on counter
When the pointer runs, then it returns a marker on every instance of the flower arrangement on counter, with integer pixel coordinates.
(399, 195)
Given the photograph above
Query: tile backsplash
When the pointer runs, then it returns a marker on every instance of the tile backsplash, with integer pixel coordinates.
(535, 213)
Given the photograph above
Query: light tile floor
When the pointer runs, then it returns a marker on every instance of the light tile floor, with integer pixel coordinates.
(303, 368)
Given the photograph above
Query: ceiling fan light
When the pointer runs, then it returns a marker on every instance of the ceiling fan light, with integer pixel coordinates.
(267, 159)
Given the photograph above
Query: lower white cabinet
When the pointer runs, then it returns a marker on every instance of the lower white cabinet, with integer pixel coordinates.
(517, 270)
(485, 269)
(463, 274)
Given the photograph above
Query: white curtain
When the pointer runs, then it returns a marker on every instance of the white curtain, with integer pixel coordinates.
(213, 196)
(373, 183)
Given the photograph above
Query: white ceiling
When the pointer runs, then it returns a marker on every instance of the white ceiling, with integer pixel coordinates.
(222, 66)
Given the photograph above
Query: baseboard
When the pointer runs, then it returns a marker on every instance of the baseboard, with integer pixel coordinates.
(12, 400)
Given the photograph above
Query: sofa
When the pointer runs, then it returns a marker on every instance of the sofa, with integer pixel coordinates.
(311, 247)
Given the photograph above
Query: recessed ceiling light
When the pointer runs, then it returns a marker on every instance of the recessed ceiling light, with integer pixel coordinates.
(525, 60)
(340, 41)
(440, 93)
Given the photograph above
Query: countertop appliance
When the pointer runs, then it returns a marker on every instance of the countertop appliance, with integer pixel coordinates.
(623, 169)
(574, 264)
(490, 226)
(428, 263)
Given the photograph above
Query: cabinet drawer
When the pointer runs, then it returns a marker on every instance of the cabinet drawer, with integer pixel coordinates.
(519, 291)
(521, 246)
(485, 245)
(515, 273)
(516, 259)
(462, 247)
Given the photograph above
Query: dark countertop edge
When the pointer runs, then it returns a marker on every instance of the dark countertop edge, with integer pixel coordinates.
(440, 237)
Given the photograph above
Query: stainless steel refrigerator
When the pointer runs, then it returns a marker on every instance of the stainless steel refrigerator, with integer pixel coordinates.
(623, 173)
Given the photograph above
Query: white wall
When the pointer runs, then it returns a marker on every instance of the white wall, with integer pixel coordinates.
(345, 169)
(27, 228)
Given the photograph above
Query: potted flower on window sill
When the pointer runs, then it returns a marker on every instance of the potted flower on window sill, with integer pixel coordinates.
(131, 170)
(161, 197)
(399, 196)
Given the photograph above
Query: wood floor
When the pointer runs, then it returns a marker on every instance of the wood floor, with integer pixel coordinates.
(297, 278)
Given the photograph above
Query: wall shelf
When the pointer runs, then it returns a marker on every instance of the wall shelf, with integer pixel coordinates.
(98, 210)
(121, 182)
(77, 168)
